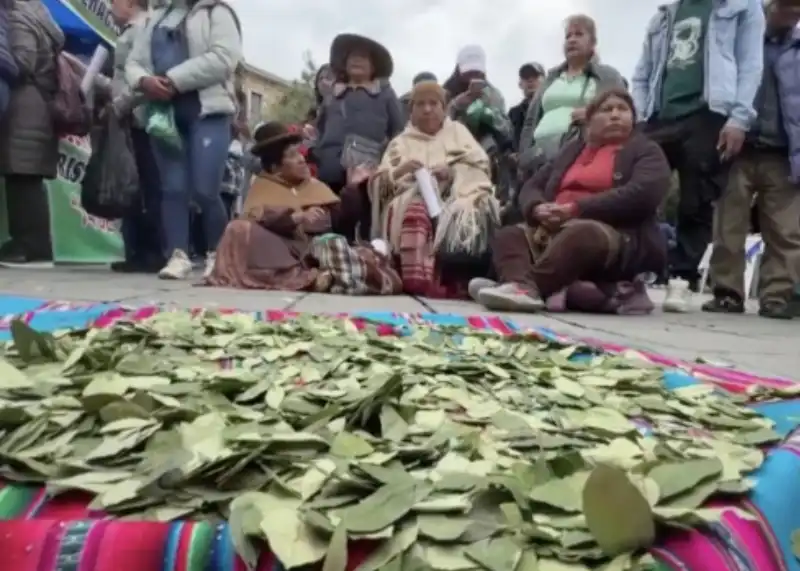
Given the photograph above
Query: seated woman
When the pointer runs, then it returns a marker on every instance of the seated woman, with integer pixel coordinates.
(285, 208)
(591, 223)
(457, 242)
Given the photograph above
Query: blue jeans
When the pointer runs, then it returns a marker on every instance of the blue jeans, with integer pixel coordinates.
(193, 174)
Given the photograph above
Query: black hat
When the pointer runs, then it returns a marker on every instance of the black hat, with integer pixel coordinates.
(423, 76)
(530, 70)
(345, 44)
(273, 135)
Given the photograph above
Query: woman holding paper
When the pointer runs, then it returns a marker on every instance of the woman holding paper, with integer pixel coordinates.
(432, 199)
(591, 223)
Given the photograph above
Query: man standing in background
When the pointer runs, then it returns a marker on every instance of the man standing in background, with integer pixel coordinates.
(530, 77)
(768, 169)
(694, 86)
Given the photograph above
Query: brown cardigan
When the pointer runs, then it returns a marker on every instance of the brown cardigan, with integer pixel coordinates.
(642, 179)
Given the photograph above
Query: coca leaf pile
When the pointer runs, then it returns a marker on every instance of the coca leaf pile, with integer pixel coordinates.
(452, 449)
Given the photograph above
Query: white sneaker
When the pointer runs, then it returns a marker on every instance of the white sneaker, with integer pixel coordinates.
(679, 297)
(178, 267)
(477, 284)
(211, 259)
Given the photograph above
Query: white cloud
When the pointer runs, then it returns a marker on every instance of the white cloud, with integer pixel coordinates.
(425, 35)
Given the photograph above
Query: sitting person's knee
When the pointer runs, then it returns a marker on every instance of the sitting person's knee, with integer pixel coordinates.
(506, 236)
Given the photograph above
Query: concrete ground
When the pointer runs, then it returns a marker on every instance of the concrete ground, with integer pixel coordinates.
(746, 342)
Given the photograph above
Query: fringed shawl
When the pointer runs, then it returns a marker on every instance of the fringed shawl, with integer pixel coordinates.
(470, 209)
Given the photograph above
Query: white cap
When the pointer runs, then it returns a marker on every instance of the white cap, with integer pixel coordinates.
(471, 58)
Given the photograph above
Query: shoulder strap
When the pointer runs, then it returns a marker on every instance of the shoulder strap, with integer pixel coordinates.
(230, 9)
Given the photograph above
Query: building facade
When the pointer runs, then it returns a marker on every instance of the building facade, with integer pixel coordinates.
(262, 90)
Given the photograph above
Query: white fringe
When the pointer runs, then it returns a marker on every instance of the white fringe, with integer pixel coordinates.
(465, 226)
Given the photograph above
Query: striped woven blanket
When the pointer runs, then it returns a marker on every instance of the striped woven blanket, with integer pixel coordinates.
(42, 533)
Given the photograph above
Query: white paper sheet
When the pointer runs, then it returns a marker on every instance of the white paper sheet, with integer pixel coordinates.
(93, 69)
(427, 188)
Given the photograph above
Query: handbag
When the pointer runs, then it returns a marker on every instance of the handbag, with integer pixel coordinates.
(361, 151)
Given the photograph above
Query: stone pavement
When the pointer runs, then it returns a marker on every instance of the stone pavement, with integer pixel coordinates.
(747, 342)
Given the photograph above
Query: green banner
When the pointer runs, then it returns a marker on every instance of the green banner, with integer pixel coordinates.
(76, 236)
(97, 15)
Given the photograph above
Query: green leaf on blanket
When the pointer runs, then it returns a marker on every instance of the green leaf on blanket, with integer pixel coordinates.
(617, 514)
(448, 448)
(796, 543)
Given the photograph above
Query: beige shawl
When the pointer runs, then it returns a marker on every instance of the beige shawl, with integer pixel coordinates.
(470, 208)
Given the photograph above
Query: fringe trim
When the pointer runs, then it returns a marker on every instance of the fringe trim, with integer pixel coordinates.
(466, 226)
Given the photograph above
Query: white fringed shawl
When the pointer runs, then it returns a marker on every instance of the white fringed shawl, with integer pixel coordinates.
(470, 209)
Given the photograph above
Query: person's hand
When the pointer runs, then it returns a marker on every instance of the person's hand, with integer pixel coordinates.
(157, 88)
(542, 212)
(730, 142)
(407, 167)
(557, 215)
(299, 217)
(358, 175)
(314, 214)
(579, 115)
(441, 173)
(309, 131)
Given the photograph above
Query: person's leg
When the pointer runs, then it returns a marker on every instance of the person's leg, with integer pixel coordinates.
(208, 149)
(29, 220)
(152, 238)
(172, 171)
(703, 179)
(779, 217)
(731, 225)
(512, 259)
(583, 249)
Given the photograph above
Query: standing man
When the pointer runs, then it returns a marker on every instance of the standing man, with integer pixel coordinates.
(530, 77)
(694, 86)
(769, 169)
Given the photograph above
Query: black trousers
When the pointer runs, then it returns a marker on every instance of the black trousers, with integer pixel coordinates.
(29, 216)
(690, 144)
(142, 230)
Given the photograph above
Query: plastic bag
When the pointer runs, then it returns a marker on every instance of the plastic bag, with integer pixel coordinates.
(110, 186)
(161, 124)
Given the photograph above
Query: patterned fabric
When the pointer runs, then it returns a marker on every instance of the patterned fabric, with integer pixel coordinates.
(417, 261)
(355, 270)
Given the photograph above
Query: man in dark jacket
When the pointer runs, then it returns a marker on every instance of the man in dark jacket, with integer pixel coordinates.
(530, 77)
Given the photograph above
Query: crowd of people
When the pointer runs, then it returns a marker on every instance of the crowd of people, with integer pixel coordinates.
(555, 203)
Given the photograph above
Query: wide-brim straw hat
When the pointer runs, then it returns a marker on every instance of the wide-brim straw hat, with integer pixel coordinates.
(272, 135)
(345, 44)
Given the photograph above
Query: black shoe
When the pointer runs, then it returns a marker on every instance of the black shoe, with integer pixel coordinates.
(724, 304)
(13, 253)
(794, 303)
(776, 310)
(136, 266)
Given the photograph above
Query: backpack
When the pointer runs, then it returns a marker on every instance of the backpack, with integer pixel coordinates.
(69, 108)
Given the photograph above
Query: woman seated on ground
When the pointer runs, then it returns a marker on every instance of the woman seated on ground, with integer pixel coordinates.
(456, 244)
(285, 208)
(591, 223)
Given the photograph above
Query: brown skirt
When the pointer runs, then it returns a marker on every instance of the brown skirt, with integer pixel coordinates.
(251, 257)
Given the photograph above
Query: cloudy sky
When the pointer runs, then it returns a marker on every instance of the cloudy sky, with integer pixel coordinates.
(426, 34)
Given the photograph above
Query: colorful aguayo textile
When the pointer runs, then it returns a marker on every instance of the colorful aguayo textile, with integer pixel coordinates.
(45, 532)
